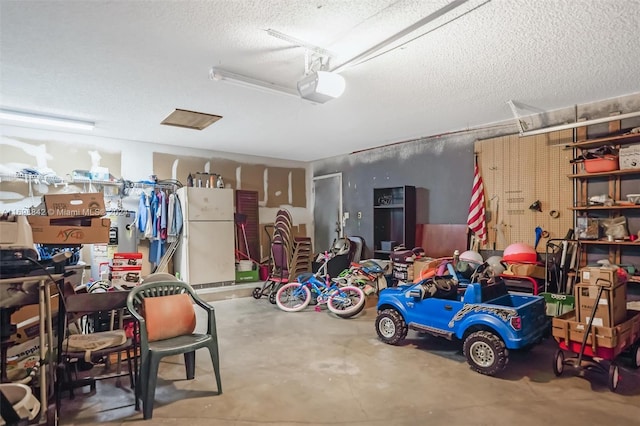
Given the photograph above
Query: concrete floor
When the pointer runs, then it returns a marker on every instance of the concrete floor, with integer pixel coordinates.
(311, 368)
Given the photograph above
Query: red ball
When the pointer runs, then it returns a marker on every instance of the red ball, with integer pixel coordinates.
(520, 253)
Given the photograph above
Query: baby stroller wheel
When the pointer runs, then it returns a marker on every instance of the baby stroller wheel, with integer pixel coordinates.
(272, 297)
(257, 293)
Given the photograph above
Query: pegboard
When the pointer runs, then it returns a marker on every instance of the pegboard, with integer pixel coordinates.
(518, 172)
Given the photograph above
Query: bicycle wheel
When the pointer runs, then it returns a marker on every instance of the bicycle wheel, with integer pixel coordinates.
(346, 302)
(293, 297)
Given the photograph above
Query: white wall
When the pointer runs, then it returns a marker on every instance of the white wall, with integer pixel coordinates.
(137, 163)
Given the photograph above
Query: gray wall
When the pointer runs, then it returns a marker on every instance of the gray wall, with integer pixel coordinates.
(441, 167)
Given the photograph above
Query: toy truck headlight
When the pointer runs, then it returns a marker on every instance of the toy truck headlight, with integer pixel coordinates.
(416, 294)
(516, 323)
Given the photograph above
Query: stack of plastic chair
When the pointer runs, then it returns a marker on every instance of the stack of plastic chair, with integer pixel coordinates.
(290, 257)
(282, 246)
(301, 257)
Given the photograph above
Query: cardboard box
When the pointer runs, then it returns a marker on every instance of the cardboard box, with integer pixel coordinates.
(604, 276)
(127, 276)
(612, 306)
(127, 259)
(526, 270)
(71, 205)
(69, 231)
(27, 320)
(630, 157)
(422, 264)
(16, 233)
(27, 350)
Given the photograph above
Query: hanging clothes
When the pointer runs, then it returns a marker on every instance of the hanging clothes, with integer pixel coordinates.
(177, 217)
(155, 207)
(163, 215)
(175, 221)
(171, 204)
(148, 229)
(156, 251)
(142, 213)
(159, 227)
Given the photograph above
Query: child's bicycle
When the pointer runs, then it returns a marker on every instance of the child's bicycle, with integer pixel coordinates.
(345, 302)
(365, 275)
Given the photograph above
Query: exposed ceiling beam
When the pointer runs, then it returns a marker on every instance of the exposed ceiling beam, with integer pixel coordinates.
(411, 28)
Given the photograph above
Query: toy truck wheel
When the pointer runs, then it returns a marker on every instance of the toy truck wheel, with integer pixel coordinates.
(635, 355)
(558, 363)
(485, 352)
(614, 377)
(390, 326)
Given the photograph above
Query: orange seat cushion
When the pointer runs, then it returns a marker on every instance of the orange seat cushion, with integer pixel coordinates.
(168, 316)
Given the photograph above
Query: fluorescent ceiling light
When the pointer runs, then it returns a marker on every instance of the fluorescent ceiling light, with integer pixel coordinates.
(297, 42)
(44, 120)
(218, 74)
(321, 86)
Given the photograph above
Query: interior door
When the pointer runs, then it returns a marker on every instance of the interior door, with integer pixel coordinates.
(327, 210)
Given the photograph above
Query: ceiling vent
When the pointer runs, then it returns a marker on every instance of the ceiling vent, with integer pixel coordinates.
(190, 119)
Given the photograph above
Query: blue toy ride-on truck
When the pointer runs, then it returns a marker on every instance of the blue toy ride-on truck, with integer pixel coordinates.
(483, 315)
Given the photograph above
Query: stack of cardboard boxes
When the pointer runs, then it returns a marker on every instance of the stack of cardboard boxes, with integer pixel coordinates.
(613, 327)
(612, 306)
(126, 269)
(70, 219)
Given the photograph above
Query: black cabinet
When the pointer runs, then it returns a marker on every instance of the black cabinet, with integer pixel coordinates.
(394, 219)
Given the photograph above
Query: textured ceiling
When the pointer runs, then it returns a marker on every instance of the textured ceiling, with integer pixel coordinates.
(127, 64)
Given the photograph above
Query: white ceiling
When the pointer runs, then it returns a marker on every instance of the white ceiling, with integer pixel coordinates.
(128, 64)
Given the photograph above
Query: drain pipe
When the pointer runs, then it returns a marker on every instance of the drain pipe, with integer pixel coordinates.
(580, 124)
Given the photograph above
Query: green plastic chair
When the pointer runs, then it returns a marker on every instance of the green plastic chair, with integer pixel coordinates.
(152, 352)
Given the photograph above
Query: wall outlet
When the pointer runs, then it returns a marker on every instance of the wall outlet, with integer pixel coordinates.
(359, 215)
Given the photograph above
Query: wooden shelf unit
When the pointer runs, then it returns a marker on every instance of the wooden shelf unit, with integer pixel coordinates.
(613, 181)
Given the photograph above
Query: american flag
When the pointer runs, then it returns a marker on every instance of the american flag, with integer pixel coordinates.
(476, 219)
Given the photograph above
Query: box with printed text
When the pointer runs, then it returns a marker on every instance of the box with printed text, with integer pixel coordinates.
(611, 307)
(69, 231)
(71, 205)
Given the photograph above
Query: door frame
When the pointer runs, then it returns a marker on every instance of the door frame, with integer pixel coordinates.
(340, 212)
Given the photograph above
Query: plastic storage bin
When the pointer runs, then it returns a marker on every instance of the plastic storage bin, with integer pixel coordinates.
(608, 163)
(558, 304)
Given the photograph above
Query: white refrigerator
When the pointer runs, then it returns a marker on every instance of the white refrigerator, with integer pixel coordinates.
(206, 253)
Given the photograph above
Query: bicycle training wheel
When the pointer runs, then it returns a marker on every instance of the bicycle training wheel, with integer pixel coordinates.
(346, 302)
(293, 297)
